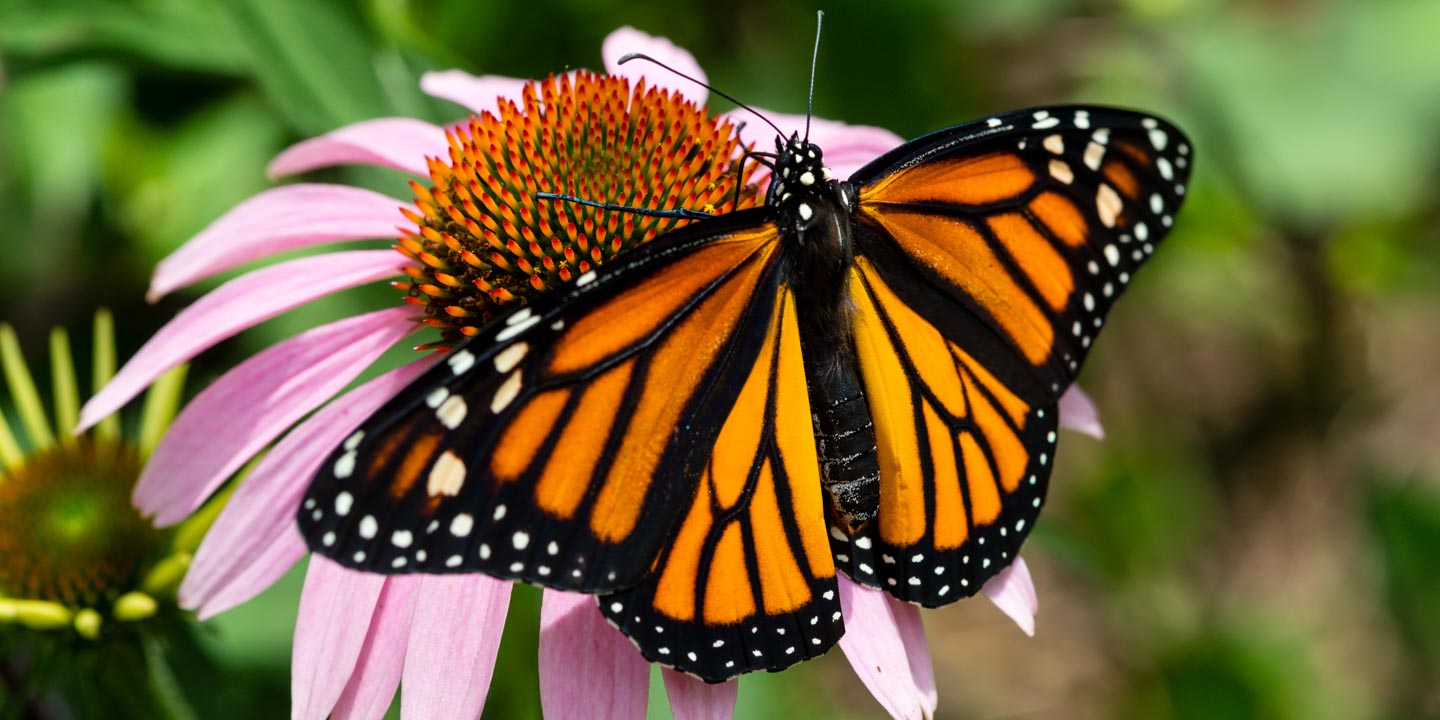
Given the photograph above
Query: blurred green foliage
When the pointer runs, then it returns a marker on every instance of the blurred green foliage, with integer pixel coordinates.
(1258, 536)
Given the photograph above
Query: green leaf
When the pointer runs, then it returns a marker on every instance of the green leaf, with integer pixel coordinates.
(314, 60)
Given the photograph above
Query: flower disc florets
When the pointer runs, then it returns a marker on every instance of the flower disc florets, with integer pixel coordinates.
(67, 531)
(484, 241)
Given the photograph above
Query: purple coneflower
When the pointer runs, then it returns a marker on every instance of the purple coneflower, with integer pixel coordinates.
(475, 241)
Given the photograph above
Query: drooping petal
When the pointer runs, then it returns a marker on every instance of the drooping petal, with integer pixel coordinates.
(235, 306)
(873, 644)
(252, 404)
(692, 699)
(454, 635)
(1078, 413)
(253, 541)
(1013, 592)
(279, 219)
(847, 147)
(628, 40)
(371, 688)
(587, 668)
(398, 143)
(917, 649)
(335, 610)
(477, 94)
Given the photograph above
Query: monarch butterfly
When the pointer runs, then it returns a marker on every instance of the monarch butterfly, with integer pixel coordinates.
(859, 376)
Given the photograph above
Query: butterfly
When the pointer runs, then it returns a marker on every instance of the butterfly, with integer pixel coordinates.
(860, 376)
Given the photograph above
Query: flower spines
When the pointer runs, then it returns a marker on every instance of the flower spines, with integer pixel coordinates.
(483, 241)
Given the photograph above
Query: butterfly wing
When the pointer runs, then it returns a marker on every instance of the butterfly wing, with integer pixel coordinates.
(747, 582)
(561, 445)
(990, 255)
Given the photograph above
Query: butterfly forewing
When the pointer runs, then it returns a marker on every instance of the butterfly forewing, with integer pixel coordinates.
(554, 446)
(1032, 223)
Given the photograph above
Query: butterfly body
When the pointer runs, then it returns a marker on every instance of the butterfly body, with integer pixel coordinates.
(861, 376)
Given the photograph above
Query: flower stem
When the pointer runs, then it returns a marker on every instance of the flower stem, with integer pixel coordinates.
(169, 699)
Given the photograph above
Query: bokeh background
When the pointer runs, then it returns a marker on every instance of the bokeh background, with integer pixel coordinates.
(1258, 536)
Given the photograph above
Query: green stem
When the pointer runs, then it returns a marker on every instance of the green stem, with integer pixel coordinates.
(169, 698)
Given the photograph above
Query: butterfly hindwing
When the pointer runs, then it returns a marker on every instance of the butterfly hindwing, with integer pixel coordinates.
(1032, 222)
(557, 446)
(747, 582)
(964, 461)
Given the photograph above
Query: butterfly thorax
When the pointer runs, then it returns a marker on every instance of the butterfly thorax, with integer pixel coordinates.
(814, 214)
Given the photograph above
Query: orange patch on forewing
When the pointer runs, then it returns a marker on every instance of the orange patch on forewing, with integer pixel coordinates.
(729, 597)
(571, 466)
(984, 494)
(688, 349)
(416, 464)
(1061, 217)
(1016, 408)
(782, 586)
(966, 181)
(619, 323)
(795, 441)
(1011, 457)
(527, 431)
(1121, 177)
(385, 449)
(675, 588)
(951, 527)
(956, 252)
(1037, 258)
(924, 346)
(902, 484)
(1138, 152)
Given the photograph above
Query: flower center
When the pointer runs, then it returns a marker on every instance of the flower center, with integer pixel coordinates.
(67, 531)
(482, 239)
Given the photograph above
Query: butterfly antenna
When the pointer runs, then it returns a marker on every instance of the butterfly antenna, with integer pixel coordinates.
(707, 86)
(814, 58)
(682, 213)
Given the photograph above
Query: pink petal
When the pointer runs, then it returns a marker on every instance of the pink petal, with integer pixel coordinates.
(912, 633)
(279, 219)
(235, 306)
(478, 94)
(1078, 413)
(377, 671)
(399, 143)
(628, 40)
(693, 699)
(1014, 593)
(847, 147)
(252, 404)
(254, 541)
(587, 668)
(875, 647)
(453, 639)
(335, 610)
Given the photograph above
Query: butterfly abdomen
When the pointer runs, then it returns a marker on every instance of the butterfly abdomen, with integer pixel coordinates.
(844, 434)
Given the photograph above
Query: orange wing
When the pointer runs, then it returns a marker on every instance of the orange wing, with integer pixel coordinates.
(562, 444)
(990, 254)
(1014, 236)
(747, 582)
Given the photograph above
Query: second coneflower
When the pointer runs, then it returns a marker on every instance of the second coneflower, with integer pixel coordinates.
(475, 240)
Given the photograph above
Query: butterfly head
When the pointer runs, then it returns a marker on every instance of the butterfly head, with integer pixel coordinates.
(800, 172)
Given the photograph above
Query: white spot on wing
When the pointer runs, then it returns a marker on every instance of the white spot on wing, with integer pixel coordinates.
(452, 412)
(1108, 204)
(461, 362)
(506, 393)
(1094, 153)
(1060, 171)
(507, 359)
(446, 476)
